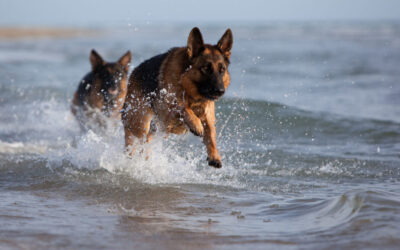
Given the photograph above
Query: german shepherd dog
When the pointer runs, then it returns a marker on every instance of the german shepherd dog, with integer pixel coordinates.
(179, 88)
(101, 93)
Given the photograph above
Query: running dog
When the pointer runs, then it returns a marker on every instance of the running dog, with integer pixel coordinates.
(101, 93)
(179, 89)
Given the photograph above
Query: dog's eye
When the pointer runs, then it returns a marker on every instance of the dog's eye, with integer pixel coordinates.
(207, 69)
(221, 68)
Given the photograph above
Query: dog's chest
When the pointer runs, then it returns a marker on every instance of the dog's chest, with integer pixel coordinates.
(198, 108)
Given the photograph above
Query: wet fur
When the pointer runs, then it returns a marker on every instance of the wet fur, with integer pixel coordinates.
(92, 102)
(177, 91)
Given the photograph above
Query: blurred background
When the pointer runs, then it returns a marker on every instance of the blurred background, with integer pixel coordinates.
(91, 13)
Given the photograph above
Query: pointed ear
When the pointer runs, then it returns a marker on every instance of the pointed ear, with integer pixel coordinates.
(225, 43)
(195, 43)
(125, 60)
(96, 60)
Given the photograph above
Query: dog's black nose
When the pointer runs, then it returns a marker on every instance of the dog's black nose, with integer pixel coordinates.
(220, 91)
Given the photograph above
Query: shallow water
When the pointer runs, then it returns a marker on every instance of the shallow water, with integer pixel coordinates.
(309, 133)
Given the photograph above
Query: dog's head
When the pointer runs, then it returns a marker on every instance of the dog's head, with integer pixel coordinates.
(209, 64)
(109, 78)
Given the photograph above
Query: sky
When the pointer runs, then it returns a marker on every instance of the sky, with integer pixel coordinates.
(119, 12)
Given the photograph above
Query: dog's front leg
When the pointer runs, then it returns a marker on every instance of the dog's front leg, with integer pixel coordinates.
(214, 159)
(193, 122)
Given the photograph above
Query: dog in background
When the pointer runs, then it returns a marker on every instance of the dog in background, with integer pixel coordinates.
(179, 89)
(101, 93)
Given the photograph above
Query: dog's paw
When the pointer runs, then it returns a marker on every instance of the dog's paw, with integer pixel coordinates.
(197, 129)
(214, 163)
(197, 132)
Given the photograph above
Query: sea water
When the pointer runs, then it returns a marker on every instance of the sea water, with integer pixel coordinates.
(308, 131)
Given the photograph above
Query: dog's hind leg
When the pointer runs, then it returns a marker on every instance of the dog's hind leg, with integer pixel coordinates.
(152, 131)
(137, 126)
(129, 140)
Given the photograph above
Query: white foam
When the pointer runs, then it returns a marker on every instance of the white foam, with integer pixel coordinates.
(55, 136)
(165, 164)
(20, 148)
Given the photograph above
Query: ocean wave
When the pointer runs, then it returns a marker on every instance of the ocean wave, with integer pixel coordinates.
(337, 215)
(258, 141)
(285, 123)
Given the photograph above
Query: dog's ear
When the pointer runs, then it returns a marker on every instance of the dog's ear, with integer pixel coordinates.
(195, 43)
(225, 43)
(125, 60)
(96, 60)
